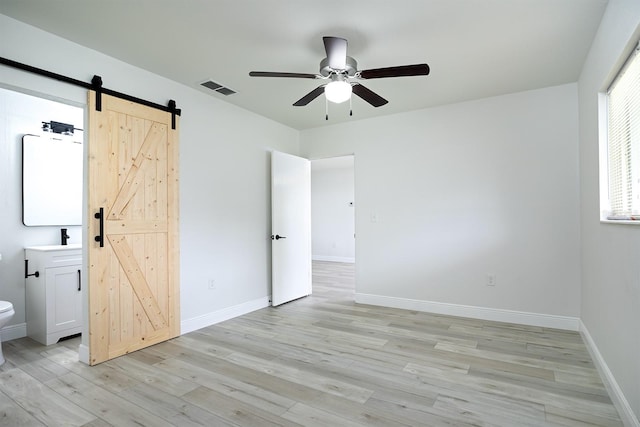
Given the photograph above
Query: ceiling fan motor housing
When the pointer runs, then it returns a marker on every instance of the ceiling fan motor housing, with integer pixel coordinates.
(351, 67)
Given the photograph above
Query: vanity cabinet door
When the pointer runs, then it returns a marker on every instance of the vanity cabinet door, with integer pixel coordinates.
(53, 292)
(63, 302)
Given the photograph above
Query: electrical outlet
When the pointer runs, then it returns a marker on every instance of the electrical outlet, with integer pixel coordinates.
(212, 284)
(491, 279)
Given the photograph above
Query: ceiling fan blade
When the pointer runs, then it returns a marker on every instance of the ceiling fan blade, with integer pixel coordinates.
(336, 49)
(400, 71)
(278, 74)
(310, 96)
(368, 95)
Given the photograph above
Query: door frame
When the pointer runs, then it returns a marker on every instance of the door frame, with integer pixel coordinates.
(83, 349)
(355, 205)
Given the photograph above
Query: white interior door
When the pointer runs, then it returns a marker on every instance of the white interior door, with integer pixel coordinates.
(290, 227)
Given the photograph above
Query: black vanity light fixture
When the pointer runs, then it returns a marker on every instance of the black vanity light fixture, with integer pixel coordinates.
(58, 127)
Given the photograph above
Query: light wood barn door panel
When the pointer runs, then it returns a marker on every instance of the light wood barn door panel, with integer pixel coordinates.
(134, 278)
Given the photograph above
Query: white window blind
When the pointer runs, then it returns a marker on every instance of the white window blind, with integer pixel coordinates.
(623, 106)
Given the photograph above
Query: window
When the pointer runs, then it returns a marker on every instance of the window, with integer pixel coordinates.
(623, 142)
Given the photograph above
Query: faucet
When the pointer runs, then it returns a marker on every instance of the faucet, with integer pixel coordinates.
(64, 236)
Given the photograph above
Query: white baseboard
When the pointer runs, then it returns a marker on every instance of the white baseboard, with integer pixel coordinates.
(13, 332)
(615, 392)
(349, 260)
(195, 323)
(83, 354)
(484, 313)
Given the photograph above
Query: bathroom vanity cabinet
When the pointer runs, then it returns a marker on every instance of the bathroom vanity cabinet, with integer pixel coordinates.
(54, 293)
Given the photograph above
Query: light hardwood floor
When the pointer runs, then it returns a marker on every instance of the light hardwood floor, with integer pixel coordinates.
(318, 361)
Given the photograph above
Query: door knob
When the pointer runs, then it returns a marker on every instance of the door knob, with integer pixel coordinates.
(277, 237)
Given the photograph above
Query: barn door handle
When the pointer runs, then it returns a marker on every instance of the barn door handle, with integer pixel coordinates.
(100, 237)
(277, 237)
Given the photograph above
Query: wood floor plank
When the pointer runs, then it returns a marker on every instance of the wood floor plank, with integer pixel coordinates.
(227, 385)
(206, 370)
(19, 352)
(366, 414)
(103, 375)
(318, 382)
(581, 392)
(151, 375)
(518, 359)
(569, 417)
(171, 408)
(102, 403)
(312, 417)
(361, 374)
(419, 417)
(12, 414)
(522, 391)
(40, 401)
(322, 360)
(510, 410)
(416, 334)
(44, 369)
(588, 379)
(233, 410)
(476, 413)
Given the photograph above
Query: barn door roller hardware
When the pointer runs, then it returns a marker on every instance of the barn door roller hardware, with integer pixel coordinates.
(96, 85)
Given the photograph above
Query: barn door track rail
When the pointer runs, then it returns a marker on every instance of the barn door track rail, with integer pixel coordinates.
(96, 85)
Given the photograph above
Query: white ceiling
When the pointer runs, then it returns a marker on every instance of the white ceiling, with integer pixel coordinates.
(475, 48)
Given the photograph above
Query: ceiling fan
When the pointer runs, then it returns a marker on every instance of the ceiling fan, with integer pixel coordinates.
(340, 71)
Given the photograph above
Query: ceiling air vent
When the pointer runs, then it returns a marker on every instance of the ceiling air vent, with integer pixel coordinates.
(217, 87)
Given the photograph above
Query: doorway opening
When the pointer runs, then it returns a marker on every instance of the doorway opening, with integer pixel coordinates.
(333, 231)
(42, 153)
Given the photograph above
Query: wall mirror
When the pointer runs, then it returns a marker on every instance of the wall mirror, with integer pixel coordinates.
(51, 180)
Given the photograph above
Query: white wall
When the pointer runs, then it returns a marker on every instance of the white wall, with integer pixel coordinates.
(224, 162)
(448, 195)
(23, 114)
(610, 252)
(332, 211)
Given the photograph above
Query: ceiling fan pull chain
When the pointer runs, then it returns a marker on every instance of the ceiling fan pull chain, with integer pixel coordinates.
(326, 108)
(350, 107)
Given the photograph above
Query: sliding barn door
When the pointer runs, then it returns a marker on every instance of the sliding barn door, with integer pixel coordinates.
(133, 228)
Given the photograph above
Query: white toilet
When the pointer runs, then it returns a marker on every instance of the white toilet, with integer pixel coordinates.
(6, 313)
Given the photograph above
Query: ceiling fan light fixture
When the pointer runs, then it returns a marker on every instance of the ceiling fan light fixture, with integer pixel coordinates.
(337, 69)
(338, 91)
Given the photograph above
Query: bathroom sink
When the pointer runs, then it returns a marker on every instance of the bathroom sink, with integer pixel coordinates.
(48, 248)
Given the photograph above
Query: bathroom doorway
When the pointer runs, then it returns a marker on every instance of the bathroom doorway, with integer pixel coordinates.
(27, 113)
